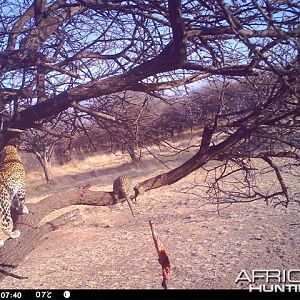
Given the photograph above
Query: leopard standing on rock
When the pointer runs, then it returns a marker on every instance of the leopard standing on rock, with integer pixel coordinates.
(12, 189)
(124, 187)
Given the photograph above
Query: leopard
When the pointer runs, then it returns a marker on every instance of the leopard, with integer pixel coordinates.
(124, 187)
(12, 189)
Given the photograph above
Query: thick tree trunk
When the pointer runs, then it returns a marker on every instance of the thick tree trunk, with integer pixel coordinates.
(47, 170)
(14, 250)
(133, 155)
(133, 151)
(46, 165)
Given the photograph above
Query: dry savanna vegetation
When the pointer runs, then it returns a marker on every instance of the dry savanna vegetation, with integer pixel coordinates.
(208, 244)
(196, 101)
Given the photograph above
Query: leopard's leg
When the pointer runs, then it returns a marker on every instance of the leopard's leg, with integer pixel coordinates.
(1, 213)
(7, 222)
(20, 197)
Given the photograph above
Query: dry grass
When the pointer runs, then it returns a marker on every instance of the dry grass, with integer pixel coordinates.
(100, 169)
(110, 249)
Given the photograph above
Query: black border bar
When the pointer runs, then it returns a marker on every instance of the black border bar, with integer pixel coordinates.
(90, 294)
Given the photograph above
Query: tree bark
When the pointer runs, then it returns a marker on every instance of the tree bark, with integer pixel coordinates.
(14, 250)
(46, 165)
(47, 170)
(132, 150)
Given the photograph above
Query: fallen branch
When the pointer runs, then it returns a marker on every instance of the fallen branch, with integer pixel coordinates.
(14, 250)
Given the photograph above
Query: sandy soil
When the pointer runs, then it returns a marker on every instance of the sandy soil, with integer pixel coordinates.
(109, 248)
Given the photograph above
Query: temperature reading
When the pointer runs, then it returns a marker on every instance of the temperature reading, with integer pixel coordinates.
(43, 295)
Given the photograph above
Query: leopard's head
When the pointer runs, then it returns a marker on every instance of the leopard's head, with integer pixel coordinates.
(139, 190)
(9, 153)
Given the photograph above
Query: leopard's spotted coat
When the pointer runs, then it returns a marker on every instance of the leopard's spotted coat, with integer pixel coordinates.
(124, 187)
(12, 189)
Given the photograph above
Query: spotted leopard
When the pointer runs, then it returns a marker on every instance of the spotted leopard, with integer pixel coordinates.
(124, 187)
(12, 189)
